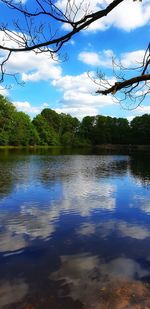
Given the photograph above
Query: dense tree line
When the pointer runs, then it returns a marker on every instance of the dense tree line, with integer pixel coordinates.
(51, 128)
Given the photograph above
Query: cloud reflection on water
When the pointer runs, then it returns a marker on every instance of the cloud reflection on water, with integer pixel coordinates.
(142, 202)
(88, 275)
(106, 228)
(40, 221)
(12, 292)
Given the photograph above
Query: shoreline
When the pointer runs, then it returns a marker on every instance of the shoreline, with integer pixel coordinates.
(102, 146)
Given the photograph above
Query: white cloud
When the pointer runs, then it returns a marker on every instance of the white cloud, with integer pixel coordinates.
(30, 66)
(132, 58)
(127, 16)
(3, 91)
(27, 107)
(89, 58)
(142, 110)
(34, 67)
(103, 58)
(6, 41)
(124, 18)
(79, 97)
(78, 112)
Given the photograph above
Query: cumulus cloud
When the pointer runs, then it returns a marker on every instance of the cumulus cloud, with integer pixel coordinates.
(79, 97)
(27, 107)
(104, 58)
(132, 58)
(34, 67)
(121, 17)
(12, 43)
(31, 66)
(89, 58)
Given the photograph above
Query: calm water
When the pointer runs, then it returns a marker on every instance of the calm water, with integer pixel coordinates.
(74, 231)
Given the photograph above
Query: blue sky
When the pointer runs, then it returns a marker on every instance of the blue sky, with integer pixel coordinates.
(65, 85)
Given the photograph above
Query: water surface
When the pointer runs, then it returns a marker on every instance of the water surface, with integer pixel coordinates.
(74, 231)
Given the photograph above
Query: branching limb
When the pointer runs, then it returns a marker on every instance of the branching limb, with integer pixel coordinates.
(77, 27)
(34, 34)
(125, 84)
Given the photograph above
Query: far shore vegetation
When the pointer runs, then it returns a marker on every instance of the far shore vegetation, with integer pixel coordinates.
(50, 129)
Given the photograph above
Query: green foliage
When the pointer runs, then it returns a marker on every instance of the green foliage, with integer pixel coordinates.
(4, 138)
(16, 128)
(52, 118)
(69, 129)
(67, 139)
(23, 131)
(101, 130)
(51, 128)
(56, 129)
(47, 134)
(7, 111)
(140, 128)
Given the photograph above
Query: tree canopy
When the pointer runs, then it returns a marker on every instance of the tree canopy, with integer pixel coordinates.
(53, 129)
(39, 31)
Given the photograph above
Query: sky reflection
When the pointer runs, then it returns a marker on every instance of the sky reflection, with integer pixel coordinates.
(87, 275)
(74, 229)
(12, 292)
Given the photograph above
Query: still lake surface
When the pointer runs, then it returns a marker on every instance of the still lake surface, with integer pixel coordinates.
(74, 230)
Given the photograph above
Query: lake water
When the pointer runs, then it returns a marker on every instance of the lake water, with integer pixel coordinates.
(74, 231)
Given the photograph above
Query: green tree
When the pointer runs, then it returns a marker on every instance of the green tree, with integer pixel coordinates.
(140, 129)
(87, 128)
(100, 130)
(23, 131)
(7, 111)
(120, 131)
(46, 132)
(69, 129)
(52, 118)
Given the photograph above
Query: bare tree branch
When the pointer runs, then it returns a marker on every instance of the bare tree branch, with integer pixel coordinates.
(77, 27)
(127, 83)
(135, 88)
(46, 37)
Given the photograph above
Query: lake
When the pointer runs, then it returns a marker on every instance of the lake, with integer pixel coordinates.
(74, 230)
